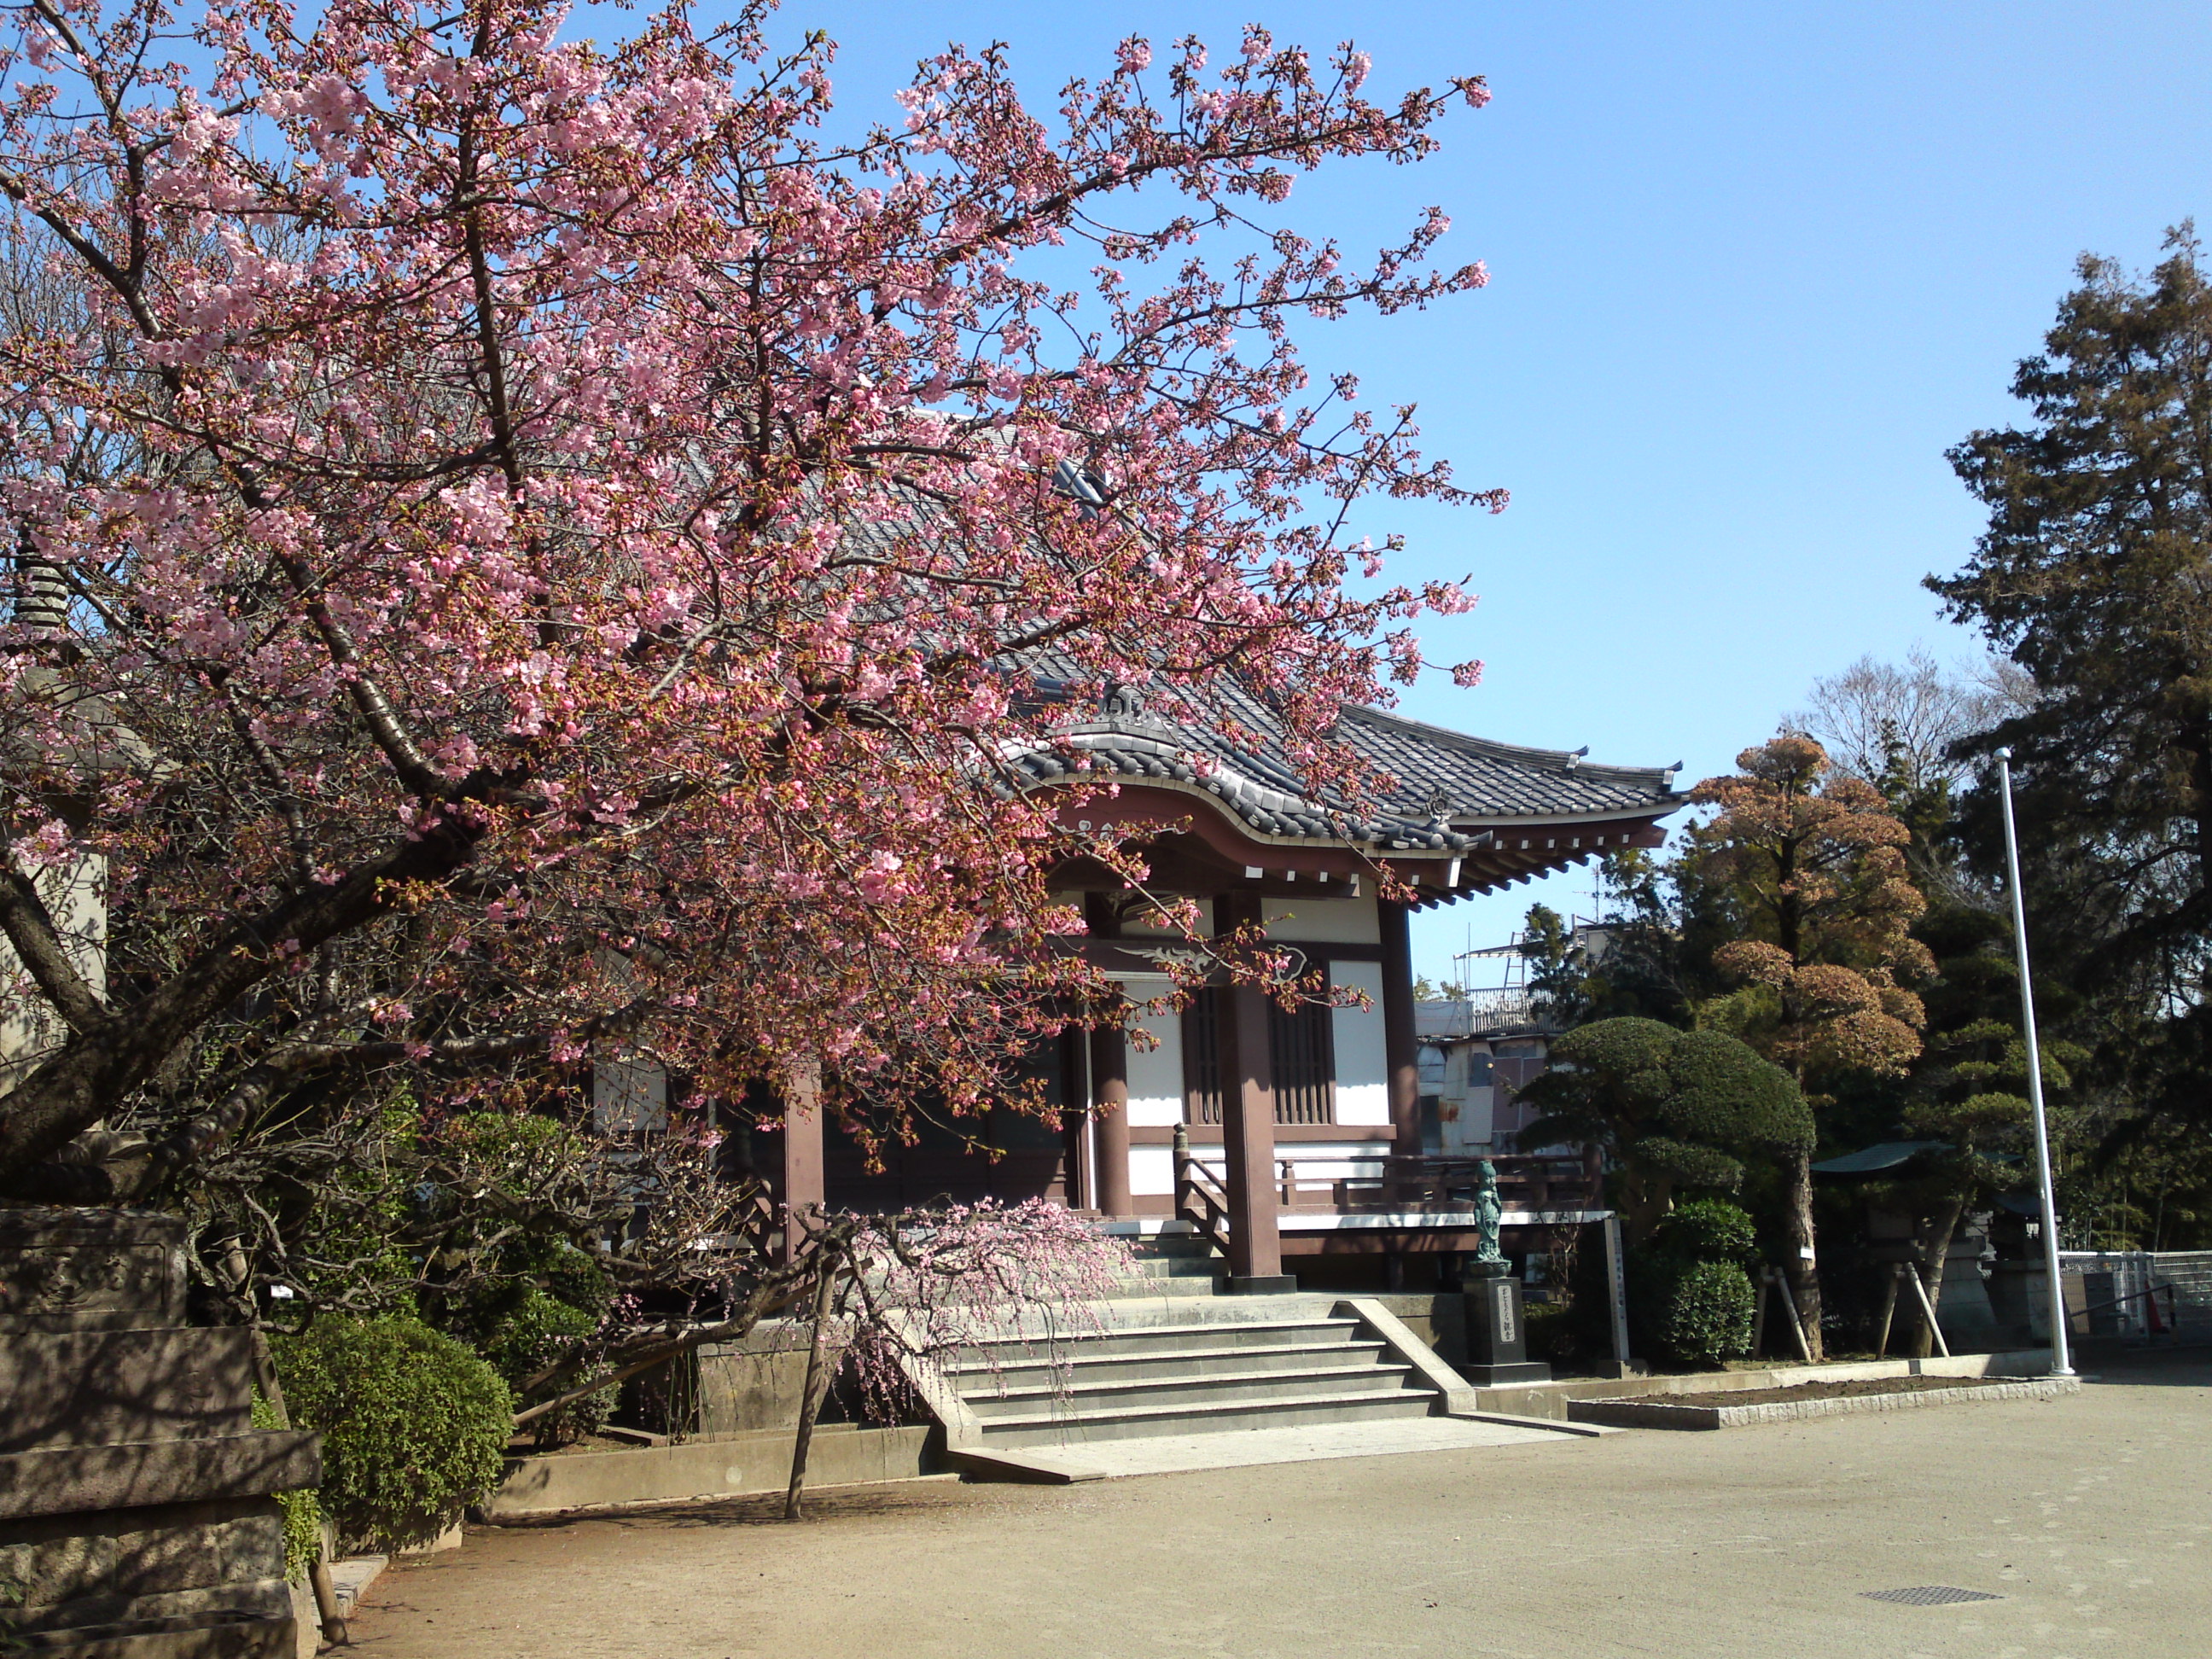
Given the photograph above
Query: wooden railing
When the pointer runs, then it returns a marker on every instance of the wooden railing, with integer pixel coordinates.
(1388, 1183)
(1199, 1199)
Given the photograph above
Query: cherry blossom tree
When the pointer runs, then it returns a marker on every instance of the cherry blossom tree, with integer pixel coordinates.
(524, 548)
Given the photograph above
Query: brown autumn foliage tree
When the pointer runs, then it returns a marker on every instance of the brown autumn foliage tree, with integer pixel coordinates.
(1813, 863)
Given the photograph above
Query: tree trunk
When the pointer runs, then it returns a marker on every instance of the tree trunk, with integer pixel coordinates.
(817, 1389)
(1803, 1268)
(1645, 1199)
(1930, 1269)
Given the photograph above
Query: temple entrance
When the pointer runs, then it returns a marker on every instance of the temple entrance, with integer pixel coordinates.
(1007, 1156)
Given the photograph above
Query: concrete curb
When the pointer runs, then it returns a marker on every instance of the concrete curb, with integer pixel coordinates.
(1038, 1466)
(1551, 1398)
(1651, 1414)
(1551, 1425)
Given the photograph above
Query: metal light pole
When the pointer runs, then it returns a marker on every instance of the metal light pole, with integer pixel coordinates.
(2060, 1365)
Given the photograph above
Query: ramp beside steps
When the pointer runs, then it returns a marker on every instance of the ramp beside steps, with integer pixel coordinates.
(1178, 1375)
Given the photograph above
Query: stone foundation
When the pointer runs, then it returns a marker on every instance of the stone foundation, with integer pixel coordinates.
(136, 1520)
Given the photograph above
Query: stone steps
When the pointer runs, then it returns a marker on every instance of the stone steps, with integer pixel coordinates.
(1173, 1357)
(1084, 1369)
(1187, 1387)
(1076, 1426)
(1172, 1267)
(1152, 1337)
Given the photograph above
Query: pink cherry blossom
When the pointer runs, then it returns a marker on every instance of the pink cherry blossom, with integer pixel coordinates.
(563, 544)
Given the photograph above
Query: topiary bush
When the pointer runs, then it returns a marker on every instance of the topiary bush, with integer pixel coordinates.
(1708, 1230)
(1707, 1314)
(415, 1426)
(1690, 1296)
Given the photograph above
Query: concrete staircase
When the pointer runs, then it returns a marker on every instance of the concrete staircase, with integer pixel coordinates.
(1172, 1358)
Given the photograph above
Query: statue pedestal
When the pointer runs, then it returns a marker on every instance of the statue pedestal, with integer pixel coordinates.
(1496, 1341)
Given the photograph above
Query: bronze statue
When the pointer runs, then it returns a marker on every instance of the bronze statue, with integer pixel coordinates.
(1490, 1214)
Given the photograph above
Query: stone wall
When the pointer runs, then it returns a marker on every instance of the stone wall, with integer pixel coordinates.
(757, 1383)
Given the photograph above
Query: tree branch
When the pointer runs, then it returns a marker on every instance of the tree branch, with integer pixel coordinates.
(41, 948)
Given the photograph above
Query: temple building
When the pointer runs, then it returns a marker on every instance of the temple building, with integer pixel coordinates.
(1294, 1141)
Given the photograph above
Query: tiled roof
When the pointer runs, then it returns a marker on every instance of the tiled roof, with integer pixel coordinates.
(1446, 788)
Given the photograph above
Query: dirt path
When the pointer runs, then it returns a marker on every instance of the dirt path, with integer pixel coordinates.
(2090, 1518)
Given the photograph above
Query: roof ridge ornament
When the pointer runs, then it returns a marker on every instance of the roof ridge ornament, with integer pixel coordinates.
(1123, 702)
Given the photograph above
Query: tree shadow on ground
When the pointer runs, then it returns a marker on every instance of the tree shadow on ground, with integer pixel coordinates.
(766, 1509)
(2137, 1368)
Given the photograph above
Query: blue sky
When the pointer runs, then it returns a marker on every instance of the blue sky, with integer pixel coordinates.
(1753, 267)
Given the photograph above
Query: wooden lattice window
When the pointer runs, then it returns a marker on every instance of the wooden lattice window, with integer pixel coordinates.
(1201, 1050)
(1300, 1049)
(1298, 1044)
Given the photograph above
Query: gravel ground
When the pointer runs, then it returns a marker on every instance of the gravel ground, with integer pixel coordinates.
(2088, 1517)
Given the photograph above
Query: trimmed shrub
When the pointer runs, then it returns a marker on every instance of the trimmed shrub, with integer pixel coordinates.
(1708, 1314)
(415, 1426)
(1723, 1094)
(1708, 1230)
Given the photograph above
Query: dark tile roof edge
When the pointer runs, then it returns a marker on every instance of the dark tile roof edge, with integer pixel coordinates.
(1553, 760)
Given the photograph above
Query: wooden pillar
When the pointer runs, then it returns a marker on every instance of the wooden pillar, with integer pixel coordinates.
(1109, 1083)
(1081, 1186)
(1247, 1118)
(803, 1184)
(1401, 1056)
(1109, 1112)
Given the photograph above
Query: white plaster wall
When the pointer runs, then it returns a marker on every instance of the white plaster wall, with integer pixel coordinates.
(1363, 1088)
(1156, 1093)
(1336, 921)
(1151, 1171)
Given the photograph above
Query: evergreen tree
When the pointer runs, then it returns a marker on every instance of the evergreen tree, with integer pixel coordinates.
(1672, 1108)
(2095, 577)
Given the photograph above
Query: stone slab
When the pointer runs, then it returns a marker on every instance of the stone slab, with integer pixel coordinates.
(723, 1467)
(65, 1269)
(74, 1480)
(264, 1598)
(1406, 1347)
(1650, 1413)
(51, 1559)
(211, 1636)
(1114, 1460)
(95, 1388)
(351, 1577)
